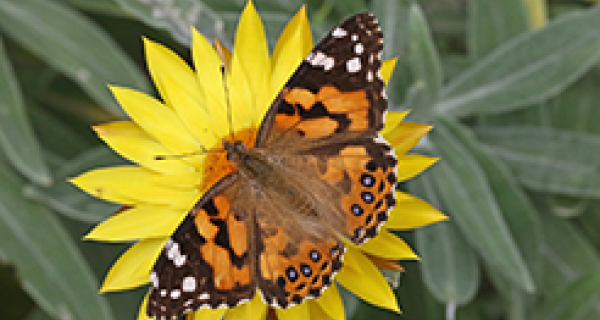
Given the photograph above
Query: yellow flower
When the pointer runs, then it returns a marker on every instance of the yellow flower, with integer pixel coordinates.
(192, 116)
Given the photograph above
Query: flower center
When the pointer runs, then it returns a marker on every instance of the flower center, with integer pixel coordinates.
(216, 165)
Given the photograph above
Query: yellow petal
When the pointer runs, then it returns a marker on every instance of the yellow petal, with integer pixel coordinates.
(330, 303)
(241, 97)
(130, 141)
(392, 120)
(316, 312)
(404, 136)
(132, 185)
(171, 75)
(297, 25)
(93, 183)
(134, 266)
(368, 283)
(252, 49)
(299, 312)
(254, 309)
(411, 212)
(180, 89)
(158, 120)
(223, 53)
(388, 246)
(143, 308)
(207, 314)
(385, 264)
(141, 222)
(411, 165)
(293, 46)
(208, 71)
(387, 69)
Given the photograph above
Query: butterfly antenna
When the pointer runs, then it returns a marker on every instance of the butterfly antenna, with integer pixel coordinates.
(229, 113)
(188, 154)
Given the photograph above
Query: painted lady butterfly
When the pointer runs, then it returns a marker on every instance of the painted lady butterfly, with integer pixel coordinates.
(316, 171)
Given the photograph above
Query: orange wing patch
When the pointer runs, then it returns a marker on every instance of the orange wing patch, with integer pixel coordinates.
(324, 113)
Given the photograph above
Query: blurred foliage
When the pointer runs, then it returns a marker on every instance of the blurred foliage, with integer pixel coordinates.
(511, 87)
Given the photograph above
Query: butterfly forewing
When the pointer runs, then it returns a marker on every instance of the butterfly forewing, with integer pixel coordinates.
(206, 262)
(338, 88)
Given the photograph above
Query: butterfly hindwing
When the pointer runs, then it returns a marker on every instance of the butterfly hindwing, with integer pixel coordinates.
(297, 255)
(363, 171)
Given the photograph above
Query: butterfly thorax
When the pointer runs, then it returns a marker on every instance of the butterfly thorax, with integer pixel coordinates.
(265, 173)
(250, 163)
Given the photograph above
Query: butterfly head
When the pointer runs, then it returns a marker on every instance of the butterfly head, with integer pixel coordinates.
(236, 151)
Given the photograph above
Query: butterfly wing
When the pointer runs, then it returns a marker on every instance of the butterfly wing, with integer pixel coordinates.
(323, 130)
(297, 255)
(329, 114)
(206, 263)
(338, 88)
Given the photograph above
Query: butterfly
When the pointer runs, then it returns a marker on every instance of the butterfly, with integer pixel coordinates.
(317, 172)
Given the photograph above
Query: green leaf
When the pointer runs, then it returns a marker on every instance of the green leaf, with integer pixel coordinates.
(577, 107)
(425, 65)
(71, 202)
(17, 139)
(527, 69)
(590, 220)
(74, 45)
(107, 7)
(567, 206)
(521, 218)
(350, 8)
(176, 17)
(57, 135)
(549, 160)
(578, 301)
(449, 265)
(465, 189)
(38, 314)
(568, 254)
(491, 23)
(517, 209)
(51, 267)
(214, 19)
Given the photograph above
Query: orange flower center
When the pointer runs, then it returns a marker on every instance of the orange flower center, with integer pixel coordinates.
(216, 165)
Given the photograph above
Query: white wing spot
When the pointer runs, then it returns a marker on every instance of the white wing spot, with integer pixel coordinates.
(354, 37)
(204, 296)
(353, 65)
(320, 59)
(359, 48)
(188, 284)
(163, 292)
(379, 74)
(370, 76)
(179, 260)
(309, 57)
(175, 294)
(339, 33)
(154, 279)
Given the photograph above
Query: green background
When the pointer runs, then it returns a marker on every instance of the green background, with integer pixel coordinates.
(512, 87)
